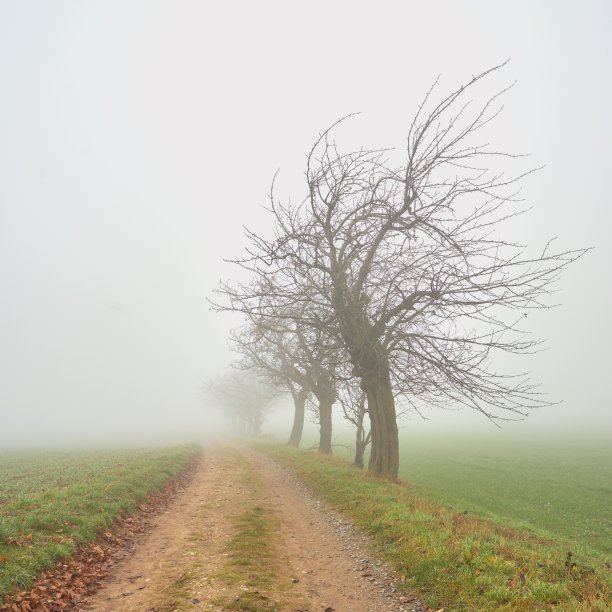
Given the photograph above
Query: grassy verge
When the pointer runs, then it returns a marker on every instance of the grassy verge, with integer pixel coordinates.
(454, 559)
(51, 503)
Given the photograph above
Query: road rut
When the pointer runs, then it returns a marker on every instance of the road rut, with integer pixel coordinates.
(320, 561)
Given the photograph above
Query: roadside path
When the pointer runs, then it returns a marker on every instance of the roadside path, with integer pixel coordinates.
(319, 561)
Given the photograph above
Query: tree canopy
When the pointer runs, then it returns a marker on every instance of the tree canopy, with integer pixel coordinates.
(403, 266)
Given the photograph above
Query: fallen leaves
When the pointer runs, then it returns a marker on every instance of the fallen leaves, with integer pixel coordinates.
(514, 583)
(22, 540)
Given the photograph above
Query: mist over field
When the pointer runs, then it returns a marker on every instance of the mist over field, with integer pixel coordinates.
(305, 305)
(138, 138)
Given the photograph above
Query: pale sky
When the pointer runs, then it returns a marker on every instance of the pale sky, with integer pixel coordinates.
(137, 137)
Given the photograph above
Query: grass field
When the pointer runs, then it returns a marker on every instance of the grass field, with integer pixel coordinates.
(454, 559)
(50, 502)
(558, 488)
(555, 487)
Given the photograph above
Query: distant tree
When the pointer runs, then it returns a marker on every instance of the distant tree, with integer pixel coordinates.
(243, 398)
(407, 264)
(263, 350)
(352, 399)
(293, 355)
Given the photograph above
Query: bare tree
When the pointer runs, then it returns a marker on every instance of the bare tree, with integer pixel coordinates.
(353, 401)
(407, 264)
(290, 352)
(243, 399)
(262, 349)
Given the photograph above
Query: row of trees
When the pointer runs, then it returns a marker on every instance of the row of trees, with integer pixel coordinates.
(391, 284)
(243, 399)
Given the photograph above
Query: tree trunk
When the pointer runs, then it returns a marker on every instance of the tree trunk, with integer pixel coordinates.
(325, 431)
(359, 448)
(384, 457)
(299, 401)
(361, 440)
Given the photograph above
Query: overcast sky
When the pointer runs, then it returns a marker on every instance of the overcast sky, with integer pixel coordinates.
(136, 138)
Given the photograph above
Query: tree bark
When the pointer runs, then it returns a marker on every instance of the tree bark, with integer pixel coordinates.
(325, 431)
(384, 456)
(361, 441)
(299, 401)
(359, 448)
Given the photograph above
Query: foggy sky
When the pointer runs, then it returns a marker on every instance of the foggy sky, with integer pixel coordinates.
(136, 138)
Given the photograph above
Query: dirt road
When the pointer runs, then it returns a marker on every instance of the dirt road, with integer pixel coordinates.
(247, 535)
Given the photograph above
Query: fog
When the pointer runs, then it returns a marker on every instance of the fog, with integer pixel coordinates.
(138, 138)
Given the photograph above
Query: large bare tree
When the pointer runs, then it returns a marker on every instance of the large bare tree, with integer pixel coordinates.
(408, 263)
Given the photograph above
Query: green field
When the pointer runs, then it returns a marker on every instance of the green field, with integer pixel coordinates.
(557, 488)
(50, 502)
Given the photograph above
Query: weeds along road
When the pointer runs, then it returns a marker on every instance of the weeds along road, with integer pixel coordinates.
(247, 535)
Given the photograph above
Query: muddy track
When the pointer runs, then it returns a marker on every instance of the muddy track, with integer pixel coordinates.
(318, 560)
